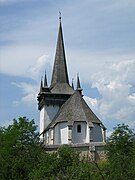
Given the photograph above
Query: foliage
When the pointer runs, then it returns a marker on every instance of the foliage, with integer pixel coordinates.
(22, 156)
(65, 164)
(120, 148)
(18, 149)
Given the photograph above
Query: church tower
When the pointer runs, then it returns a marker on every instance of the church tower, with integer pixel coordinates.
(65, 118)
(50, 99)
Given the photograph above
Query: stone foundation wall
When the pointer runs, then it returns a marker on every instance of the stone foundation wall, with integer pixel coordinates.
(92, 151)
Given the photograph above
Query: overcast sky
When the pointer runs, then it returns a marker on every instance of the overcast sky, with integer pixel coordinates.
(99, 37)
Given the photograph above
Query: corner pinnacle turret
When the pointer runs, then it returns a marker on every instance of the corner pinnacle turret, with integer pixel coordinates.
(41, 86)
(45, 81)
(78, 84)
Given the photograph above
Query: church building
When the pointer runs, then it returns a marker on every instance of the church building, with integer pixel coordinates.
(65, 117)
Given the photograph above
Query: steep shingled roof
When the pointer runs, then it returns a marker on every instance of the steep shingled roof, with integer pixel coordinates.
(75, 109)
(62, 88)
(60, 73)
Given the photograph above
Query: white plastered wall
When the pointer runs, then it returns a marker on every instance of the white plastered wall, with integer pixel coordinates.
(52, 110)
(80, 137)
(97, 133)
(42, 122)
(61, 133)
(47, 113)
(87, 134)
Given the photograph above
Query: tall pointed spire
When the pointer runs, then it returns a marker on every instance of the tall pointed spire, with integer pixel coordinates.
(60, 74)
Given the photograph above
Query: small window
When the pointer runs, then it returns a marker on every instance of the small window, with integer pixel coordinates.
(79, 128)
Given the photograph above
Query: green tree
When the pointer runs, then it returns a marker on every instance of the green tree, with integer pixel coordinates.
(23, 157)
(19, 149)
(65, 164)
(56, 165)
(120, 148)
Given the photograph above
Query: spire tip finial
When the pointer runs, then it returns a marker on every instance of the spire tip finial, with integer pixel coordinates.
(59, 15)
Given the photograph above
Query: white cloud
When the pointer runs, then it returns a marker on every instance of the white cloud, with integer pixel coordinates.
(30, 92)
(14, 60)
(36, 70)
(132, 98)
(88, 63)
(114, 84)
(26, 88)
(23, 61)
(91, 102)
(30, 99)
